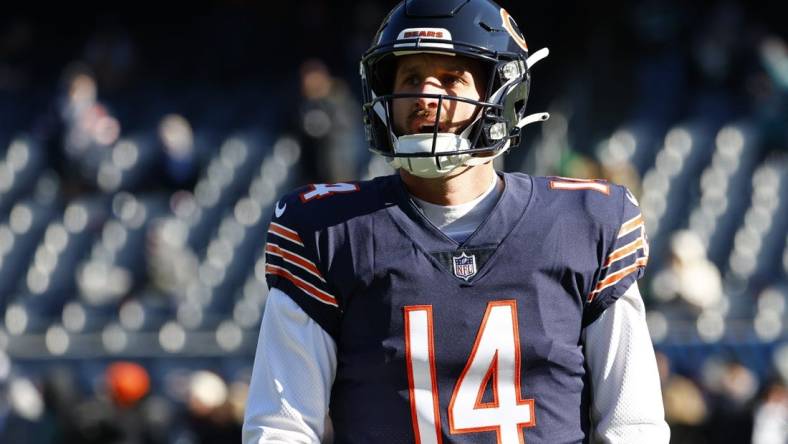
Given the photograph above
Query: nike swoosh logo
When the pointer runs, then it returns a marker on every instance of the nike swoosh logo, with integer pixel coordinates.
(279, 211)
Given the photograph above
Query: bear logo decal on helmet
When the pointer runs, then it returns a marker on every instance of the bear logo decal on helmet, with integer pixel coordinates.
(511, 27)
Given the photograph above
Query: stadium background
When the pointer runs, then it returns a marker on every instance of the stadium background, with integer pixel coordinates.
(142, 149)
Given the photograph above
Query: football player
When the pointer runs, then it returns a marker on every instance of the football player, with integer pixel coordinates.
(450, 302)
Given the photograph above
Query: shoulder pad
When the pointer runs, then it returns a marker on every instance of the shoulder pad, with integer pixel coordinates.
(316, 206)
(599, 200)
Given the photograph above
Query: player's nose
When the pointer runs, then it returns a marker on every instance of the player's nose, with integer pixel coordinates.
(430, 85)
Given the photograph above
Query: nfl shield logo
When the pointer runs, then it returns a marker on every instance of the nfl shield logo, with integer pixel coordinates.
(464, 266)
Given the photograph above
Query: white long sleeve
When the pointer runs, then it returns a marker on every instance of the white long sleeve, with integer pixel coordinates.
(626, 404)
(294, 368)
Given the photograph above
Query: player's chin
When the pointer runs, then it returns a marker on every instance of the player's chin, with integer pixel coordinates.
(459, 171)
(485, 154)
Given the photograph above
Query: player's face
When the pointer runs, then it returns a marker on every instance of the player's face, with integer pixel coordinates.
(435, 74)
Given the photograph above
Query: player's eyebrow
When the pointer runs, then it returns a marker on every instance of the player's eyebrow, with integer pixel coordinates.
(407, 69)
(456, 68)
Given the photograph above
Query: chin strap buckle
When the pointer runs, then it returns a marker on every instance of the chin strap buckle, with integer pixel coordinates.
(533, 118)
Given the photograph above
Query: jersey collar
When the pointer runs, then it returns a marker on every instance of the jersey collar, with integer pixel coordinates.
(508, 212)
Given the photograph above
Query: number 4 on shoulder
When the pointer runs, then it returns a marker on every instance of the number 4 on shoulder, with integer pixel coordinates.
(321, 190)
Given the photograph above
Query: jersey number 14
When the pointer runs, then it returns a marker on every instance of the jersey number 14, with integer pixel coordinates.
(494, 359)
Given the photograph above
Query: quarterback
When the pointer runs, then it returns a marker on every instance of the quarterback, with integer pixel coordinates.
(449, 302)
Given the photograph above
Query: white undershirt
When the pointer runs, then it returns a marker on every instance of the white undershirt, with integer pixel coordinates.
(460, 221)
(295, 361)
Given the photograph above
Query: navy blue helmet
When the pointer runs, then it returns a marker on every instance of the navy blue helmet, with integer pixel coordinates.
(477, 29)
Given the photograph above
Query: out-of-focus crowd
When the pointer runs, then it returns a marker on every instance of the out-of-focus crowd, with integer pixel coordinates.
(724, 401)
(135, 183)
(122, 406)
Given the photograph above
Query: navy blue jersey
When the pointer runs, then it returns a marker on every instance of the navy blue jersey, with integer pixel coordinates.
(473, 342)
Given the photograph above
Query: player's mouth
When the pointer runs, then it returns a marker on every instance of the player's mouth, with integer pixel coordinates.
(420, 126)
(427, 129)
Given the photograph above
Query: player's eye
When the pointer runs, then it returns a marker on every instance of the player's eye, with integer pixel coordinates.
(411, 80)
(450, 80)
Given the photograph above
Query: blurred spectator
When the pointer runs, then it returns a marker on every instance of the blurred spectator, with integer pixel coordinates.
(61, 395)
(774, 55)
(172, 264)
(21, 411)
(177, 141)
(120, 413)
(690, 275)
(768, 90)
(210, 413)
(771, 416)
(732, 388)
(89, 129)
(329, 126)
(685, 407)
(239, 392)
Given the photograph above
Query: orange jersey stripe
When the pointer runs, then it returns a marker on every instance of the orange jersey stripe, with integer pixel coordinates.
(294, 259)
(630, 225)
(624, 251)
(305, 286)
(617, 276)
(286, 233)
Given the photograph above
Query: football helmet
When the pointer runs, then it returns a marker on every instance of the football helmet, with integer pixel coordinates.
(478, 29)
